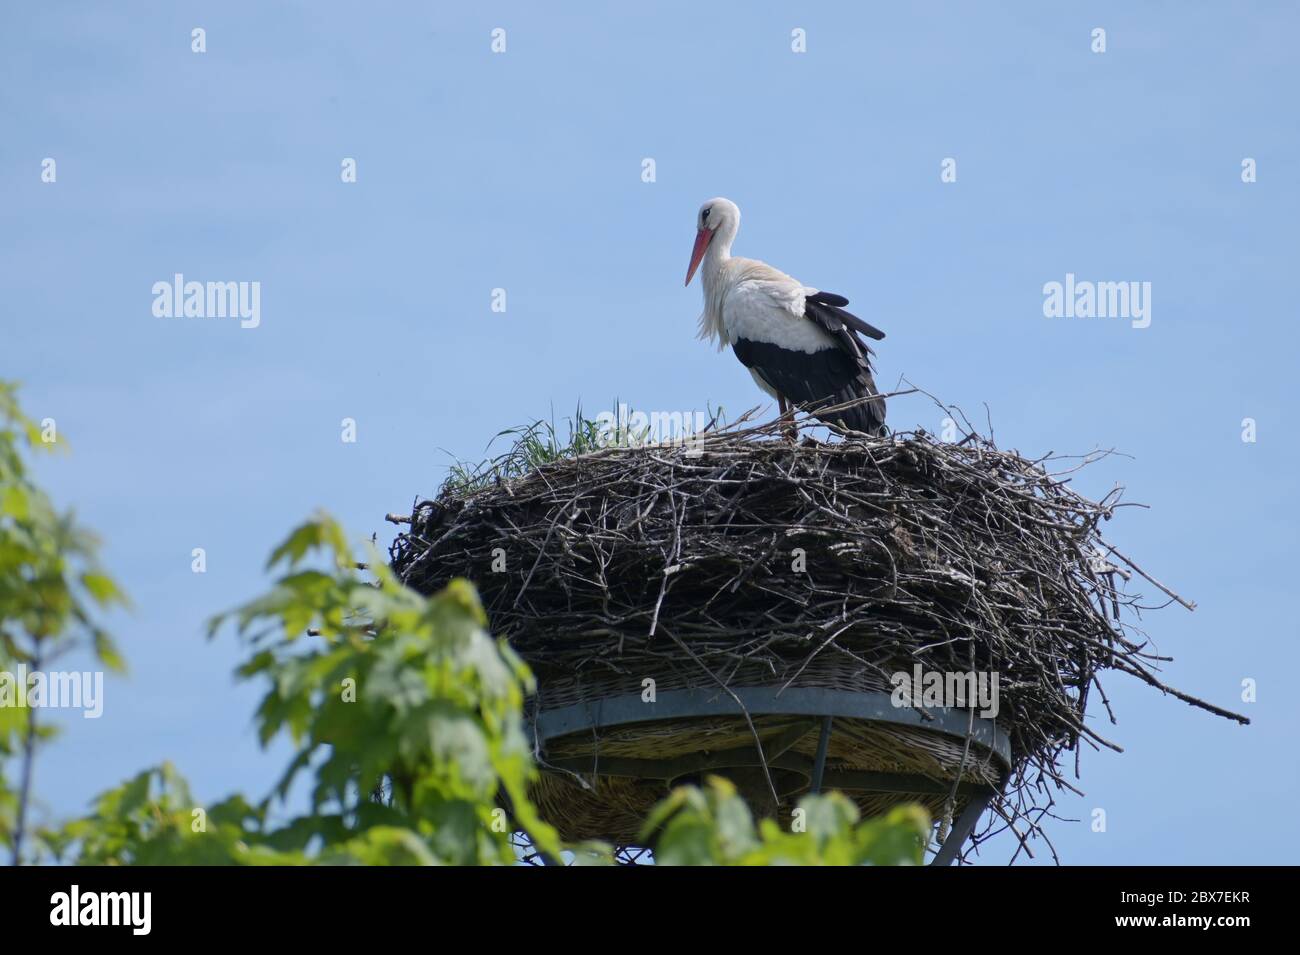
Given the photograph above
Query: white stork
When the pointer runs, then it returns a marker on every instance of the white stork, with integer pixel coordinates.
(799, 343)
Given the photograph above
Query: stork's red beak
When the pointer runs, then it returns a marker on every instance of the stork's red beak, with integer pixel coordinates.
(701, 243)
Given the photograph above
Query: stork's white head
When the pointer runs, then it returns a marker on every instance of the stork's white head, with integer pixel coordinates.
(717, 218)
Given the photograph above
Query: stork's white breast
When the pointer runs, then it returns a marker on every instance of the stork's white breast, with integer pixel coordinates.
(765, 305)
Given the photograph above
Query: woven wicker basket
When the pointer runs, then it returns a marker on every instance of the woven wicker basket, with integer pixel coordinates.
(601, 781)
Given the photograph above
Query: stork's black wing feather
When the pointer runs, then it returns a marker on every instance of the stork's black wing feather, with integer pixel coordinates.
(828, 298)
(828, 376)
(816, 379)
(834, 304)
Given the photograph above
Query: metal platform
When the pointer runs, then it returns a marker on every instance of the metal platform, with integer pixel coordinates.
(790, 773)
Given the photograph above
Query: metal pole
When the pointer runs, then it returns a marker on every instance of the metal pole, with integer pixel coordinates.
(819, 766)
(964, 826)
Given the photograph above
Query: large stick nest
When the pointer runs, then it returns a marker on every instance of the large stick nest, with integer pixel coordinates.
(682, 564)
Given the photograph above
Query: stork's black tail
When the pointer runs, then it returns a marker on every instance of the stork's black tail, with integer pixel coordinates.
(827, 310)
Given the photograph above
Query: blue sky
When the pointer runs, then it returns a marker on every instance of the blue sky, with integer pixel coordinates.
(522, 171)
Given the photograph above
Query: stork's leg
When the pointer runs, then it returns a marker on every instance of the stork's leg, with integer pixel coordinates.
(787, 419)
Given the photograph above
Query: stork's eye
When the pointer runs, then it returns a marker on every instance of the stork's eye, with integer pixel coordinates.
(705, 214)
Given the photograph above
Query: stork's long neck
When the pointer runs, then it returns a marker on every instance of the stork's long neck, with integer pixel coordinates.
(713, 276)
(719, 251)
